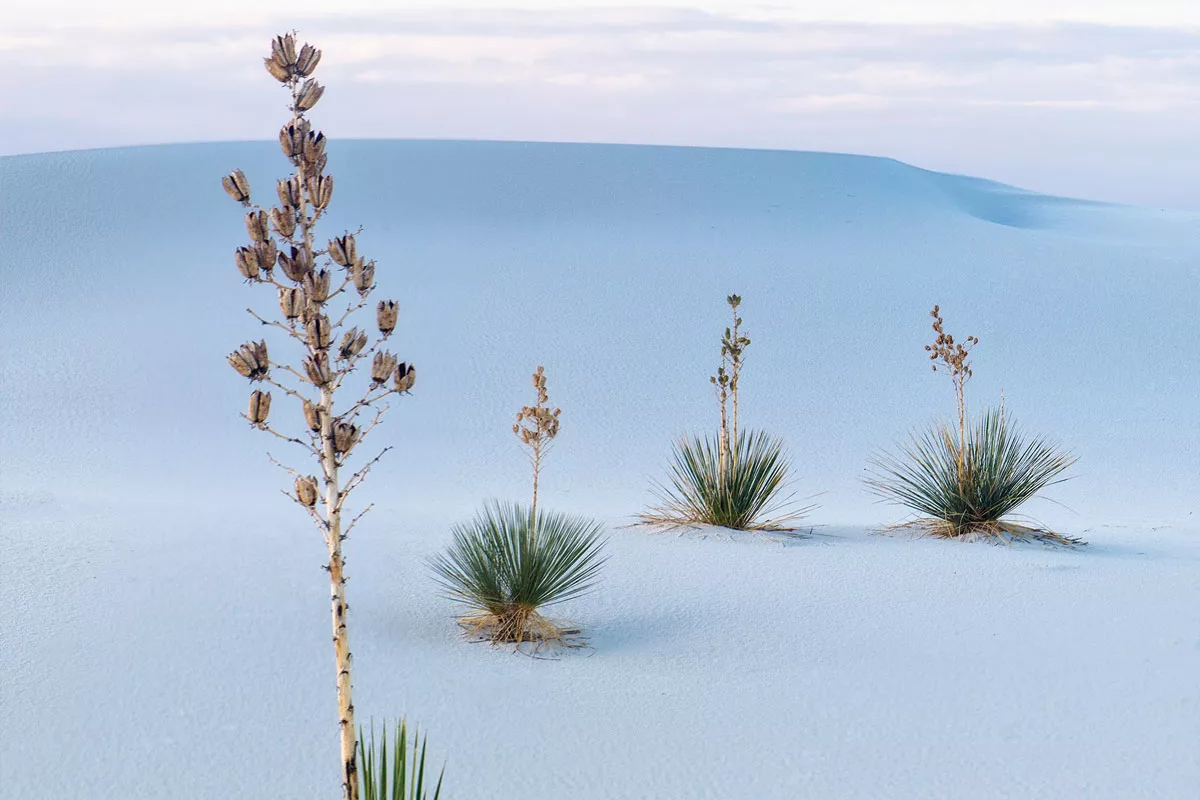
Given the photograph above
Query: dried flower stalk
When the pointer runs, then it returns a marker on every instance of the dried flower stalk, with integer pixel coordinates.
(304, 306)
(733, 344)
(536, 426)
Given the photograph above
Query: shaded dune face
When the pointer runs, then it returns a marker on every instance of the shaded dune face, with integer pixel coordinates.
(608, 264)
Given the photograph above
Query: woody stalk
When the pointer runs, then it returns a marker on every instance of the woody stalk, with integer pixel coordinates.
(320, 292)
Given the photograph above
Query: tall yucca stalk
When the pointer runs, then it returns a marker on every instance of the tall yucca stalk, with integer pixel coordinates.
(308, 290)
(738, 483)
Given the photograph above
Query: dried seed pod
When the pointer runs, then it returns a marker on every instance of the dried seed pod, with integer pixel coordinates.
(314, 147)
(247, 262)
(284, 220)
(363, 276)
(278, 71)
(260, 407)
(345, 436)
(381, 367)
(343, 250)
(318, 332)
(352, 344)
(291, 302)
(256, 226)
(316, 286)
(296, 266)
(306, 490)
(316, 367)
(267, 254)
(320, 191)
(283, 49)
(308, 60)
(406, 376)
(237, 186)
(291, 142)
(288, 190)
(310, 93)
(313, 170)
(312, 416)
(386, 314)
(250, 360)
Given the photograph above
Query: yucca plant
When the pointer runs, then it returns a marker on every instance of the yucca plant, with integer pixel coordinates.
(737, 481)
(321, 291)
(405, 779)
(963, 480)
(513, 560)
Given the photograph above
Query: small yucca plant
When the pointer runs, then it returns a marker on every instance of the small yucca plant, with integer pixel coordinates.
(747, 496)
(735, 482)
(513, 560)
(504, 573)
(964, 480)
(405, 780)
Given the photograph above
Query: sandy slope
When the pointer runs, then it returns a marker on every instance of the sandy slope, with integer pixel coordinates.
(146, 562)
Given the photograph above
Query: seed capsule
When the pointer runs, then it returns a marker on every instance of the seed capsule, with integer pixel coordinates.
(320, 191)
(386, 314)
(343, 250)
(291, 302)
(291, 142)
(306, 491)
(318, 332)
(267, 254)
(250, 360)
(363, 276)
(406, 376)
(283, 49)
(352, 344)
(308, 60)
(288, 190)
(345, 436)
(256, 226)
(316, 367)
(260, 407)
(278, 71)
(237, 186)
(381, 367)
(310, 93)
(314, 147)
(316, 286)
(284, 220)
(247, 263)
(312, 416)
(296, 266)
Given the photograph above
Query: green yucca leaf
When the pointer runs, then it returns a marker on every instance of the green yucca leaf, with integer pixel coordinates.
(405, 783)
(494, 563)
(970, 486)
(748, 497)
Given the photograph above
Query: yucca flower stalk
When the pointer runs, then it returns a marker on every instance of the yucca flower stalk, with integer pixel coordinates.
(963, 480)
(737, 482)
(327, 357)
(512, 561)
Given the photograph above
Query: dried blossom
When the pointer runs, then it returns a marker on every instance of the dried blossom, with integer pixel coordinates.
(406, 376)
(318, 332)
(284, 220)
(352, 344)
(260, 407)
(291, 302)
(345, 436)
(316, 367)
(306, 490)
(237, 186)
(250, 360)
(386, 314)
(381, 367)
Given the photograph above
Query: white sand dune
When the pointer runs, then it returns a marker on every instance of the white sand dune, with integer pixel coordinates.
(164, 627)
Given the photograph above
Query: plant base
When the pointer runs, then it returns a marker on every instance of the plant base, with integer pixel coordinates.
(992, 532)
(519, 626)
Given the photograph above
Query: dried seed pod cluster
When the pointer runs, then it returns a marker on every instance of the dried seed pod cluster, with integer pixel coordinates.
(953, 355)
(250, 360)
(285, 64)
(537, 424)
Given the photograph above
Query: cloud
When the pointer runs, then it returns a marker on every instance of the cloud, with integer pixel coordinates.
(928, 92)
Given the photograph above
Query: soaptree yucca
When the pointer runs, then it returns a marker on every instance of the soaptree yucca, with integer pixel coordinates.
(512, 560)
(320, 292)
(737, 481)
(964, 478)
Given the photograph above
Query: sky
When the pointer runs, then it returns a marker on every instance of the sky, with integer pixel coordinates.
(1088, 98)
